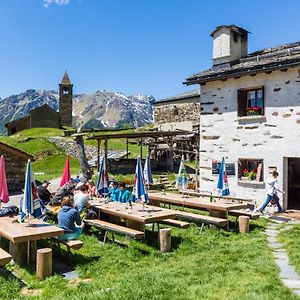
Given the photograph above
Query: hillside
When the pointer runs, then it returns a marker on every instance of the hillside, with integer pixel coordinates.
(102, 109)
(49, 159)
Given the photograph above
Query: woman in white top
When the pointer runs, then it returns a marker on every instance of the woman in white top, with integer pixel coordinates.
(272, 188)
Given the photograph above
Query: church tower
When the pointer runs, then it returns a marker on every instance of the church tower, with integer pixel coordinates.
(65, 100)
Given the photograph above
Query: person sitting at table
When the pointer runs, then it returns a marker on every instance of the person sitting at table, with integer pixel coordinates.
(81, 201)
(114, 191)
(66, 190)
(44, 193)
(124, 194)
(67, 216)
(91, 188)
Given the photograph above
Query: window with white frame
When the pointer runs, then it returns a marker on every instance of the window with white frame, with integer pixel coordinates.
(251, 102)
(250, 169)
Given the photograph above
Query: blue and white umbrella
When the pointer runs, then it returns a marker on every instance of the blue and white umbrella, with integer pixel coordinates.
(139, 191)
(223, 180)
(147, 171)
(30, 204)
(102, 182)
(182, 179)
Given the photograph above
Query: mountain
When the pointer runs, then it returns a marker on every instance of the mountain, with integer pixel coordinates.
(102, 109)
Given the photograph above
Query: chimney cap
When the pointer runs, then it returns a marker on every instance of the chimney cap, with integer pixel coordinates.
(232, 27)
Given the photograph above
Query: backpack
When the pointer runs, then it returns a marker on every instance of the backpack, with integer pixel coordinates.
(11, 210)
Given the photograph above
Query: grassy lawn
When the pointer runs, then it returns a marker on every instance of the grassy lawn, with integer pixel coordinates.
(291, 241)
(214, 265)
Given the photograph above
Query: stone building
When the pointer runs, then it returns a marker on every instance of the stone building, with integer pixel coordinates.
(250, 114)
(178, 112)
(15, 166)
(43, 116)
(65, 100)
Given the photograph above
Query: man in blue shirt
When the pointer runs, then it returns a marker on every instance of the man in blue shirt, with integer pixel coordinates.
(124, 195)
(114, 192)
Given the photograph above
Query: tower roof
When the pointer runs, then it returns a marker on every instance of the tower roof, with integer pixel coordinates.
(66, 79)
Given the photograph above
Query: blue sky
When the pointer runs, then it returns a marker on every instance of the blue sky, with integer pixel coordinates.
(129, 46)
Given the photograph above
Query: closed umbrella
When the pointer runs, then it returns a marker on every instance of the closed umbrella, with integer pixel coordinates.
(67, 174)
(147, 172)
(182, 179)
(102, 182)
(223, 180)
(4, 197)
(139, 191)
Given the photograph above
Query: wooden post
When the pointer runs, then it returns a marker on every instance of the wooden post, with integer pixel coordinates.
(44, 263)
(127, 148)
(18, 252)
(219, 214)
(244, 224)
(141, 149)
(87, 173)
(98, 154)
(165, 240)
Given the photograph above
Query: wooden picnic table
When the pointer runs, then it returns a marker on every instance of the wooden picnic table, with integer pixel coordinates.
(219, 208)
(23, 237)
(136, 217)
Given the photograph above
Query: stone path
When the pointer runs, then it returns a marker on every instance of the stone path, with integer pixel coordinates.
(288, 273)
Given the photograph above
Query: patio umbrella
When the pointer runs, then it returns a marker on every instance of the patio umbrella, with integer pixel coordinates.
(67, 174)
(147, 172)
(4, 197)
(182, 179)
(223, 181)
(139, 191)
(102, 182)
(30, 204)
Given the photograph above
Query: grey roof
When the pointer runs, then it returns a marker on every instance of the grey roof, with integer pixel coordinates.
(182, 96)
(268, 59)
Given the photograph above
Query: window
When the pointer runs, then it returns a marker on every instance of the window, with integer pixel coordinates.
(251, 102)
(65, 91)
(250, 170)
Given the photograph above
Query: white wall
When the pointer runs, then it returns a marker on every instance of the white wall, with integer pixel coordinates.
(272, 138)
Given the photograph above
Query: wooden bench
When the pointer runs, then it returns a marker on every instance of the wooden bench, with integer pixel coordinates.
(71, 244)
(175, 223)
(114, 228)
(241, 212)
(5, 257)
(197, 218)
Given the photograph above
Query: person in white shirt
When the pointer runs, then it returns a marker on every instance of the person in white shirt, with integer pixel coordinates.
(272, 189)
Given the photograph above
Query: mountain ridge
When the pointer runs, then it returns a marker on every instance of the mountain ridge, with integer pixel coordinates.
(101, 109)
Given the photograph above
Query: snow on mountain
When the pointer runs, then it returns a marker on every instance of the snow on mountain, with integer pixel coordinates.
(98, 110)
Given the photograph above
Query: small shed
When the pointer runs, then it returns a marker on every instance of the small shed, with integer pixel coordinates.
(15, 166)
(42, 116)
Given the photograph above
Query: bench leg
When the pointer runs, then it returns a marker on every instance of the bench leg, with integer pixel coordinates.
(105, 236)
(113, 237)
(201, 228)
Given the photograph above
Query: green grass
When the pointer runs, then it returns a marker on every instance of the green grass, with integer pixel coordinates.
(214, 265)
(291, 241)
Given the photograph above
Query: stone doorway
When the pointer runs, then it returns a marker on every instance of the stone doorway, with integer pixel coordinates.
(293, 183)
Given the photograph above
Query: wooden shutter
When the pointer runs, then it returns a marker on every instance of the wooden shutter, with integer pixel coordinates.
(242, 102)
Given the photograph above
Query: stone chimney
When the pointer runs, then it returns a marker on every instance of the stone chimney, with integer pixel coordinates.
(230, 43)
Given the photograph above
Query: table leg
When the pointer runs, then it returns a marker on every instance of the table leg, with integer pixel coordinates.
(136, 225)
(18, 252)
(219, 214)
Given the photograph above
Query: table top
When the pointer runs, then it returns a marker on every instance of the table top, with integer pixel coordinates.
(17, 232)
(196, 202)
(150, 213)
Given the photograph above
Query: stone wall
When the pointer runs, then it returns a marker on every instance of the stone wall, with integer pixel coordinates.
(177, 115)
(15, 168)
(271, 137)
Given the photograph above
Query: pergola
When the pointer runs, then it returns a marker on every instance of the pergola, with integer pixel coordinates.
(167, 136)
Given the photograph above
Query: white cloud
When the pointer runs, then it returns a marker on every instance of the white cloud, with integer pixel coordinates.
(58, 2)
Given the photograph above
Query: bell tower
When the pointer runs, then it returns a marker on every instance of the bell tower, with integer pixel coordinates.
(65, 100)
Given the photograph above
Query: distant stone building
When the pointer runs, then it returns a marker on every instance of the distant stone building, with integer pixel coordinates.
(15, 166)
(250, 114)
(178, 112)
(43, 116)
(65, 100)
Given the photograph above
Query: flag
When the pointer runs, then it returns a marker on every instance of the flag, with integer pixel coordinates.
(102, 182)
(67, 174)
(181, 180)
(139, 192)
(30, 203)
(223, 180)
(147, 171)
(4, 197)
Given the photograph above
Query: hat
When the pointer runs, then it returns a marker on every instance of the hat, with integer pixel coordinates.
(46, 181)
